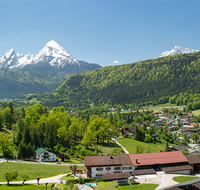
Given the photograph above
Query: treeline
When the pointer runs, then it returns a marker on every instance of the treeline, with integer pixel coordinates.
(36, 126)
(131, 83)
(17, 83)
(192, 101)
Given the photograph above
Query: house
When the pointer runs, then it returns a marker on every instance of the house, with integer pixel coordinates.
(194, 161)
(169, 162)
(97, 166)
(121, 166)
(43, 155)
(181, 147)
(130, 130)
(195, 151)
(188, 185)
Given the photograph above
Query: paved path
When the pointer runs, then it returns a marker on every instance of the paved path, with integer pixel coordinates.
(54, 179)
(31, 162)
(126, 151)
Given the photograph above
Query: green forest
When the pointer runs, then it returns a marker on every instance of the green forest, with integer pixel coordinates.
(21, 133)
(17, 83)
(138, 82)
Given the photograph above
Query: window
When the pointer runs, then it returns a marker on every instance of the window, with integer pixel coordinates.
(125, 168)
(116, 168)
(108, 168)
(98, 175)
(99, 169)
(117, 172)
(130, 168)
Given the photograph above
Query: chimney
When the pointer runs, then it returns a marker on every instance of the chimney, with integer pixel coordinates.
(111, 157)
(108, 154)
(101, 154)
(136, 160)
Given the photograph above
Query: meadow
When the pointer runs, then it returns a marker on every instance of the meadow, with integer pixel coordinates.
(131, 145)
(35, 170)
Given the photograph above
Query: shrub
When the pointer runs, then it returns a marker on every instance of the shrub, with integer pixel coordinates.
(89, 180)
(71, 180)
(81, 179)
(63, 157)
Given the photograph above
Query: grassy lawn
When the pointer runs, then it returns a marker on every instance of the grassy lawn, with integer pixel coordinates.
(196, 112)
(35, 170)
(111, 186)
(24, 187)
(181, 179)
(131, 145)
(162, 105)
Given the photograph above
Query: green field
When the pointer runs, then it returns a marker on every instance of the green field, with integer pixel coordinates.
(35, 170)
(111, 186)
(131, 145)
(196, 112)
(24, 187)
(181, 179)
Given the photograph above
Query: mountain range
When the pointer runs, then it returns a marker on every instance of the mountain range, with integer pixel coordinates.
(52, 60)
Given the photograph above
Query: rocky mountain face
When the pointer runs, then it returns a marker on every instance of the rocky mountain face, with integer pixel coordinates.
(52, 59)
(177, 50)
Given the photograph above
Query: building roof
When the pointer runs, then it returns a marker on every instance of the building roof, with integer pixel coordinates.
(143, 171)
(130, 129)
(197, 185)
(172, 168)
(193, 159)
(40, 150)
(187, 183)
(116, 176)
(181, 147)
(85, 187)
(157, 158)
(122, 159)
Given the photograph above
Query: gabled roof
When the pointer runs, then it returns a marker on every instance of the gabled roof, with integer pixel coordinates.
(193, 159)
(157, 158)
(115, 160)
(116, 176)
(40, 150)
(181, 147)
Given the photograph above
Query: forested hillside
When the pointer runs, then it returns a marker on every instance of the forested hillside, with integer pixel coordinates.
(16, 83)
(136, 82)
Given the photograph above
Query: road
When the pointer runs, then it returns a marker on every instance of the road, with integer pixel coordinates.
(126, 151)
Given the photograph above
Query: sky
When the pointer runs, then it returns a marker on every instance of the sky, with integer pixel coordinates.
(107, 32)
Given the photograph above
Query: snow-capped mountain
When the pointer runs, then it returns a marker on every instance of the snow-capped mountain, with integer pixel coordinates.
(50, 60)
(56, 55)
(177, 50)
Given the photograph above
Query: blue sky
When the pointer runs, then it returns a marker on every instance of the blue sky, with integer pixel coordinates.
(100, 31)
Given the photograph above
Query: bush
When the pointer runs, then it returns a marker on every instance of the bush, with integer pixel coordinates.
(81, 179)
(71, 180)
(99, 180)
(89, 180)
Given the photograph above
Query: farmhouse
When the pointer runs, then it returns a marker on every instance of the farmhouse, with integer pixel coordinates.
(43, 154)
(140, 164)
(97, 166)
(169, 162)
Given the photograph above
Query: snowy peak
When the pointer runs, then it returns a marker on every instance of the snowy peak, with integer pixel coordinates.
(53, 59)
(177, 50)
(8, 59)
(55, 54)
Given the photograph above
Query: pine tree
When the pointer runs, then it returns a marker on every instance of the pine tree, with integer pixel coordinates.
(4, 105)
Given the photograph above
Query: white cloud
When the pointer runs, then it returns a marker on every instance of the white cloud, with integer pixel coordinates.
(116, 62)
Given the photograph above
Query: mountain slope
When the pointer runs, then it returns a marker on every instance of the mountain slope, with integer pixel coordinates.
(16, 83)
(52, 59)
(136, 82)
(177, 50)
